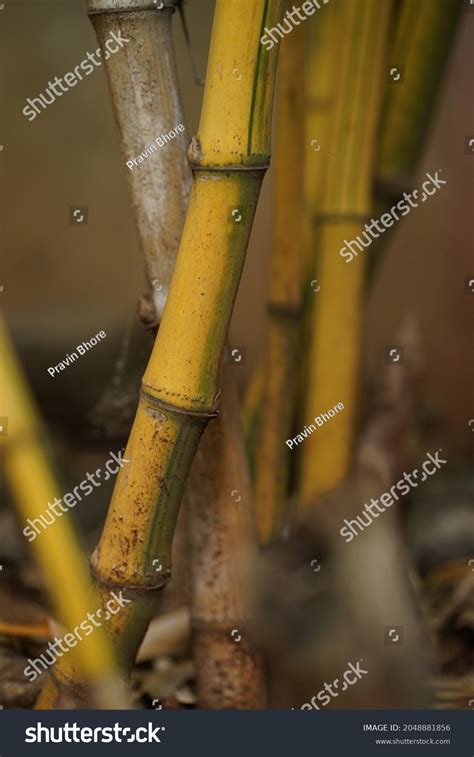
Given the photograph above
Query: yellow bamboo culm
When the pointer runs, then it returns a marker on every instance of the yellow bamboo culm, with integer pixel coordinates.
(318, 46)
(320, 89)
(182, 383)
(277, 399)
(33, 485)
(180, 389)
(334, 356)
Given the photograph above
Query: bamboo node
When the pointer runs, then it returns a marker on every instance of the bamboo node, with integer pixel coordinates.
(159, 581)
(231, 167)
(168, 407)
(163, 6)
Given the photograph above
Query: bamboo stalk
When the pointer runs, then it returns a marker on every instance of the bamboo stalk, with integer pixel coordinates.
(320, 89)
(179, 389)
(333, 361)
(424, 34)
(212, 690)
(323, 38)
(276, 413)
(33, 484)
(229, 672)
(144, 91)
(423, 37)
(145, 95)
(251, 416)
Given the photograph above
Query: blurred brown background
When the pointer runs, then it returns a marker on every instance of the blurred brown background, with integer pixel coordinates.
(64, 283)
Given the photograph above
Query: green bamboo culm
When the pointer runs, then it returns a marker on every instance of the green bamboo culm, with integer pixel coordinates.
(423, 38)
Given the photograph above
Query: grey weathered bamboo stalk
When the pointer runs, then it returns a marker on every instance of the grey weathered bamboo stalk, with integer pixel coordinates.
(145, 96)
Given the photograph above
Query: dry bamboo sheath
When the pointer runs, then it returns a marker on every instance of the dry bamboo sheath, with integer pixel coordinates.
(180, 386)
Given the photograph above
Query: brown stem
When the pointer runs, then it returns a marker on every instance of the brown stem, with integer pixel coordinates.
(223, 538)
